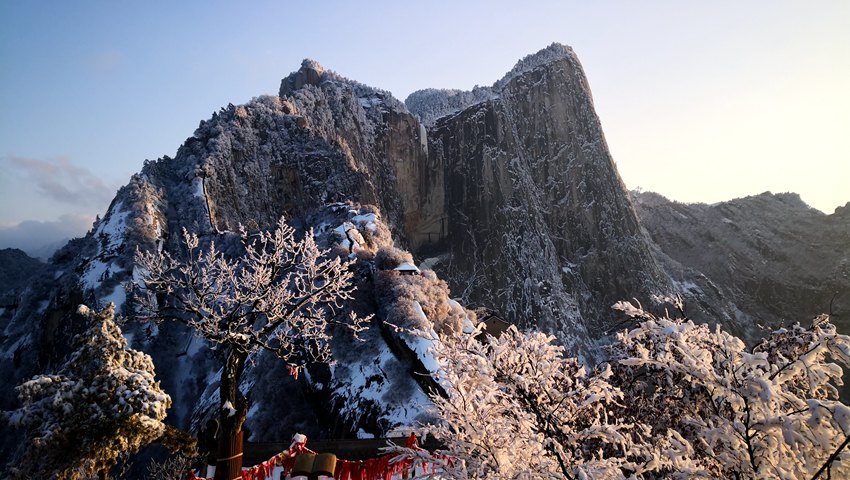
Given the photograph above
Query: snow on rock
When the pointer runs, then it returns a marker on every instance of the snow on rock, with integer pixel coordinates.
(370, 380)
(367, 220)
(111, 230)
(350, 237)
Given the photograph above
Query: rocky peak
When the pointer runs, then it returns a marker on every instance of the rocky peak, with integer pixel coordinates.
(553, 53)
(431, 104)
(843, 212)
(310, 73)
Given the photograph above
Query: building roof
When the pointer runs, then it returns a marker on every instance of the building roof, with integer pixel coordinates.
(407, 267)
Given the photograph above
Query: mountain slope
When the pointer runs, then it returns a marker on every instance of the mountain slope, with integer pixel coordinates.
(775, 258)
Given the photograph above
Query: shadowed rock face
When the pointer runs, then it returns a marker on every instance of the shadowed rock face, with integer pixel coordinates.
(777, 260)
(536, 222)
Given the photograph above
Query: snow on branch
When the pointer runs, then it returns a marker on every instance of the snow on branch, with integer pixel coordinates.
(280, 294)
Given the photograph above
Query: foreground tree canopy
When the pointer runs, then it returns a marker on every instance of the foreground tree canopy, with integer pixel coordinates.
(279, 294)
(675, 400)
(102, 405)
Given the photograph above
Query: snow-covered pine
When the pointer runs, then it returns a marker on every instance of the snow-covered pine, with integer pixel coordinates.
(103, 404)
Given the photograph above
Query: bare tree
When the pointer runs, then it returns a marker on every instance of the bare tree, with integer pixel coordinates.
(280, 295)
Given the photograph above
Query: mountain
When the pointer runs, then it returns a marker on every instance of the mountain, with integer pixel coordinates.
(533, 219)
(771, 256)
(17, 268)
(507, 197)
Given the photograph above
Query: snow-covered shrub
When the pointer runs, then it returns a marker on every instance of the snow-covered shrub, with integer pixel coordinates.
(391, 257)
(771, 411)
(272, 292)
(518, 408)
(398, 296)
(102, 404)
(675, 400)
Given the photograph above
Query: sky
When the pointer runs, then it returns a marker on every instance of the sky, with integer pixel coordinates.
(701, 101)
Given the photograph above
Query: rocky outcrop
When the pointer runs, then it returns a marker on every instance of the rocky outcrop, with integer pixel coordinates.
(514, 192)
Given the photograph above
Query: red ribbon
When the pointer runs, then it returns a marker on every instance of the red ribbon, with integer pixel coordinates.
(380, 468)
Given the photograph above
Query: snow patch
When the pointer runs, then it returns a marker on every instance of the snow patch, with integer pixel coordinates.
(198, 187)
(111, 230)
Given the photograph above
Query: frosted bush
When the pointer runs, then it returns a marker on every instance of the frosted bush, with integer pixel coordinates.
(102, 405)
(675, 400)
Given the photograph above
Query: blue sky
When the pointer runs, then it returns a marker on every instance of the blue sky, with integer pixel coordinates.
(700, 101)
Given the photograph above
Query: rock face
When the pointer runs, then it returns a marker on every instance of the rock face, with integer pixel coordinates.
(766, 260)
(515, 195)
(536, 222)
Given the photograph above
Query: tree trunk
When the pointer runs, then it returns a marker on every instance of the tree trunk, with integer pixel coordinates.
(229, 463)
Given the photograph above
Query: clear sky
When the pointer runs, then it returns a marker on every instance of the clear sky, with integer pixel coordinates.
(699, 100)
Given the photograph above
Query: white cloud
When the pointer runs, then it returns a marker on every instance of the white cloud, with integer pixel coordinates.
(61, 180)
(41, 239)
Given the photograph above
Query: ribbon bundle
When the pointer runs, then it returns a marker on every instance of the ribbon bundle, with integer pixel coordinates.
(384, 467)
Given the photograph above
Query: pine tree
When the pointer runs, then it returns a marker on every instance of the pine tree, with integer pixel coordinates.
(102, 405)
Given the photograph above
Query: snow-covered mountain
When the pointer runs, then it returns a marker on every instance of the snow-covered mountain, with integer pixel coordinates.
(508, 193)
(760, 262)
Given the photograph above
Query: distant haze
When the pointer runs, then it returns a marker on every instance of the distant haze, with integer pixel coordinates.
(699, 101)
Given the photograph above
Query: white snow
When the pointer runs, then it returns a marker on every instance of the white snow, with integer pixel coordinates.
(408, 267)
(113, 228)
(399, 408)
(348, 229)
(367, 220)
(228, 407)
(198, 187)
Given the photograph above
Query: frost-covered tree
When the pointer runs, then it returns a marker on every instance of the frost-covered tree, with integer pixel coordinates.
(518, 408)
(770, 411)
(675, 400)
(102, 405)
(280, 295)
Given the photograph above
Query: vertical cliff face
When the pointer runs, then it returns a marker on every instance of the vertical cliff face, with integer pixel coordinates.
(536, 222)
(510, 188)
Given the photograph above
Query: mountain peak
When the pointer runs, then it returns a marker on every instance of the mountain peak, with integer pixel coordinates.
(310, 73)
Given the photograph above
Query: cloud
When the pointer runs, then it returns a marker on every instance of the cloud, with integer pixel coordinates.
(61, 180)
(41, 239)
